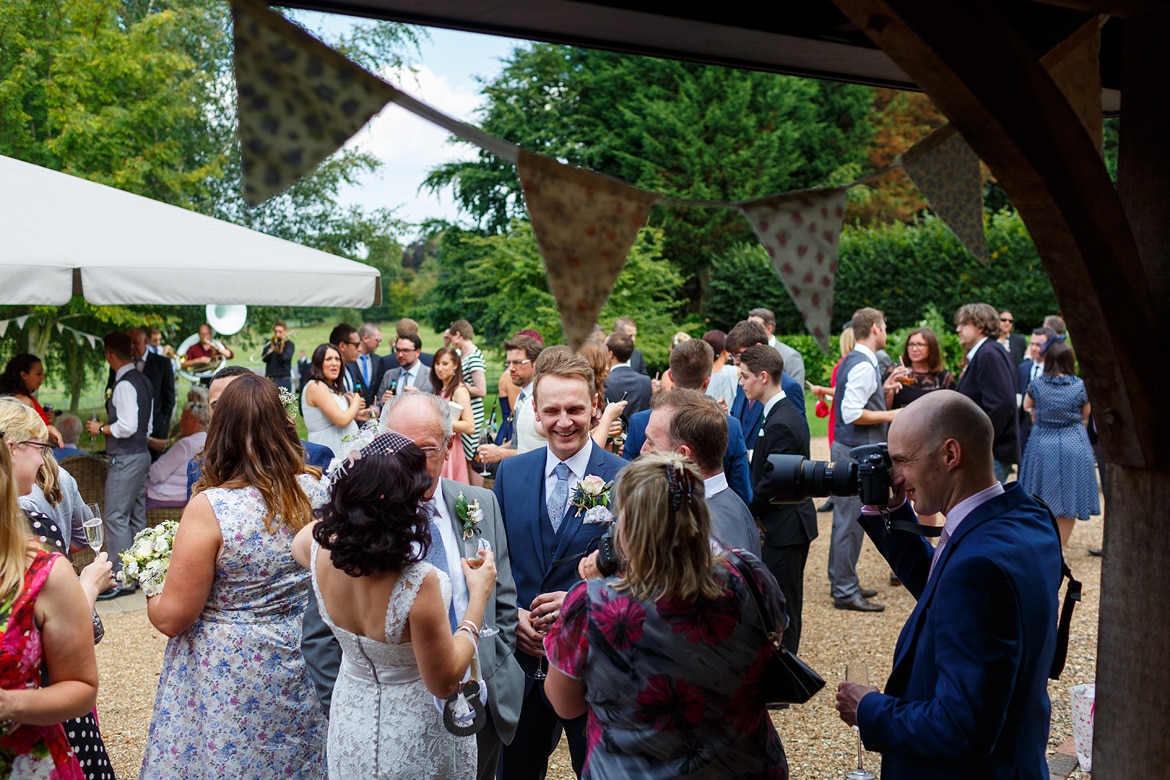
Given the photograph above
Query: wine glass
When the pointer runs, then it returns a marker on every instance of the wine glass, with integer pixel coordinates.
(487, 437)
(539, 673)
(858, 673)
(94, 535)
(473, 550)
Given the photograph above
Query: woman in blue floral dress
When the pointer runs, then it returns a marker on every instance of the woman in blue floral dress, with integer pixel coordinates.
(1059, 465)
(234, 697)
(667, 658)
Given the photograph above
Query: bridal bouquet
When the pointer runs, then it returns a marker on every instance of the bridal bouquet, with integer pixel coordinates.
(149, 556)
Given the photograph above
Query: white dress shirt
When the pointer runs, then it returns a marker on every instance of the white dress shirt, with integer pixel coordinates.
(860, 384)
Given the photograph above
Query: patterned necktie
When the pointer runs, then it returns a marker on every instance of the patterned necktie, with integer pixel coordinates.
(515, 421)
(559, 497)
(437, 557)
(404, 380)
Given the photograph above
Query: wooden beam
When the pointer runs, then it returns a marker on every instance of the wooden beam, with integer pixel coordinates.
(982, 76)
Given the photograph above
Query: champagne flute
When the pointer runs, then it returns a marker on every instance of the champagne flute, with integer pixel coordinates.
(539, 673)
(858, 673)
(487, 437)
(473, 550)
(94, 535)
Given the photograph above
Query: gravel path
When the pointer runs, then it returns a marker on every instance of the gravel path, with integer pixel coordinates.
(818, 744)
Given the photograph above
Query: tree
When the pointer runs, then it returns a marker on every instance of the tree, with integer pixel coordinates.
(139, 95)
(684, 130)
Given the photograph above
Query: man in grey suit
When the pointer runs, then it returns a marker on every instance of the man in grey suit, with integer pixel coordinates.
(425, 420)
(410, 372)
(695, 425)
(623, 381)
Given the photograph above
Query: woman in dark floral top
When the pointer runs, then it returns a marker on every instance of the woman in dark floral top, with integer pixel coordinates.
(666, 658)
(921, 371)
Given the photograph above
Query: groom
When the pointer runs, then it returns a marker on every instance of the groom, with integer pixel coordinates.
(425, 420)
(547, 538)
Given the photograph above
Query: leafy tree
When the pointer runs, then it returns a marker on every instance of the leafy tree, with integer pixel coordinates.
(498, 283)
(687, 131)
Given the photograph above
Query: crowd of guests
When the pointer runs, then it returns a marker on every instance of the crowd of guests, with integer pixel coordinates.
(332, 603)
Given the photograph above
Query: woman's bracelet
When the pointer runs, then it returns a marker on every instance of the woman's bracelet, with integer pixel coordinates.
(470, 626)
(470, 635)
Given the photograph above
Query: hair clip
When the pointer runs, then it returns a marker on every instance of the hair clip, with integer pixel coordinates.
(680, 483)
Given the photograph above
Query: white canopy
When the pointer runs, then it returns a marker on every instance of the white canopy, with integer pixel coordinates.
(61, 235)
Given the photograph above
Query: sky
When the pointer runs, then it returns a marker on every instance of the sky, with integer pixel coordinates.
(409, 147)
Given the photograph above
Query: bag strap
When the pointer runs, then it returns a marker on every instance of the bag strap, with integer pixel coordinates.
(753, 588)
(1072, 595)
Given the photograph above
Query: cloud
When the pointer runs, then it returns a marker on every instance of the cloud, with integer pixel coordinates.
(410, 147)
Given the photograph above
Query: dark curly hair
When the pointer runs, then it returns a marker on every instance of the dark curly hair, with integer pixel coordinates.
(373, 522)
(11, 381)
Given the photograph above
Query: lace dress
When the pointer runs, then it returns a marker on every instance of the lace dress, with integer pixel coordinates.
(321, 429)
(234, 697)
(383, 721)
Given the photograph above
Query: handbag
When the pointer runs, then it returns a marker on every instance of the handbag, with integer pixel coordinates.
(786, 679)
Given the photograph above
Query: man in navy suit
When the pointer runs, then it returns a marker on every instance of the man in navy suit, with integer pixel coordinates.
(788, 528)
(1025, 373)
(623, 381)
(369, 339)
(968, 694)
(990, 380)
(749, 413)
(690, 366)
(546, 537)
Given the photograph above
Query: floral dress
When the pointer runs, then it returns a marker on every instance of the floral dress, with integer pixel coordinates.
(673, 686)
(234, 697)
(30, 751)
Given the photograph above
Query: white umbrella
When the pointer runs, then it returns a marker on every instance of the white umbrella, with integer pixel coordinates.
(61, 235)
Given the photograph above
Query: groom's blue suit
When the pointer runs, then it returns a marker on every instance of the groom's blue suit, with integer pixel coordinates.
(543, 562)
(968, 694)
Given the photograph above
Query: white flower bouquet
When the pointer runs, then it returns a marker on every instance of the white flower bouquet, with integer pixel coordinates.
(149, 556)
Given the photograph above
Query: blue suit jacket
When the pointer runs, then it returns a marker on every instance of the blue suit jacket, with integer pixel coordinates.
(519, 487)
(735, 460)
(748, 412)
(968, 694)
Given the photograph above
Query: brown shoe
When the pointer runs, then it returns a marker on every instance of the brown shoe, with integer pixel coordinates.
(858, 604)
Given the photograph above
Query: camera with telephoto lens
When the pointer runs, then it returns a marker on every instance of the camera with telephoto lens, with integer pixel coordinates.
(791, 479)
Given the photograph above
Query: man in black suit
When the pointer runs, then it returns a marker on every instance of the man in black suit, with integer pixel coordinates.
(788, 528)
(1025, 373)
(369, 339)
(160, 373)
(345, 338)
(990, 381)
(1010, 340)
(627, 326)
(623, 380)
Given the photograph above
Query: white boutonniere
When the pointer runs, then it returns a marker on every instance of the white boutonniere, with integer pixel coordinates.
(109, 393)
(470, 514)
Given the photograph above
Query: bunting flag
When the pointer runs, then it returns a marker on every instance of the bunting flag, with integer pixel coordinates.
(800, 231)
(585, 224)
(946, 171)
(298, 101)
(1075, 67)
(4, 327)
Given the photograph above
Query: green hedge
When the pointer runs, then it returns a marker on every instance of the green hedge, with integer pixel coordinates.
(907, 271)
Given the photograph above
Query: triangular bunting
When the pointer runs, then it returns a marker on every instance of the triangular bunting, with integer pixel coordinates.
(946, 171)
(800, 231)
(4, 327)
(1077, 71)
(92, 341)
(21, 320)
(60, 327)
(585, 224)
(298, 100)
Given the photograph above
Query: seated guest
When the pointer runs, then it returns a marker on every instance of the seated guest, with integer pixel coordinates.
(70, 427)
(166, 482)
(206, 352)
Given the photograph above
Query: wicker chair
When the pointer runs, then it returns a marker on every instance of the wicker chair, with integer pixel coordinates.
(163, 513)
(90, 473)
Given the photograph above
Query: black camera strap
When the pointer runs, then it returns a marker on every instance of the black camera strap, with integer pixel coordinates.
(907, 526)
(1072, 594)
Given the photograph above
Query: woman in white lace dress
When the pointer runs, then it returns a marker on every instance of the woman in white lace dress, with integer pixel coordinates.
(388, 609)
(234, 697)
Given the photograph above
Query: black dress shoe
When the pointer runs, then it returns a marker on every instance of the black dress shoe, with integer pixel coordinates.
(825, 507)
(867, 593)
(858, 604)
(112, 593)
(1095, 551)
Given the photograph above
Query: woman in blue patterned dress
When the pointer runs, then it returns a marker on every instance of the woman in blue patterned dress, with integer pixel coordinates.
(666, 659)
(234, 697)
(1058, 462)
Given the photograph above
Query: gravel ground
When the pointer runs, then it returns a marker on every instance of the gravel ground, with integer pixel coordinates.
(818, 744)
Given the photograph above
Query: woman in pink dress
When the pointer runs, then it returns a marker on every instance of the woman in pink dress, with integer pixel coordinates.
(447, 379)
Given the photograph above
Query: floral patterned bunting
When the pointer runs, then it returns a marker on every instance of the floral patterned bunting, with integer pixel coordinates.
(585, 224)
(946, 171)
(800, 231)
(298, 100)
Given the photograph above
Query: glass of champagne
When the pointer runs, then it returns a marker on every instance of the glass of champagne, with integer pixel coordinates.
(858, 673)
(541, 626)
(94, 535)
(473, 550)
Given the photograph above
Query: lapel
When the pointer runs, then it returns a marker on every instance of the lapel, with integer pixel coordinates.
(541, 518)
(984, 512)
(450, 494)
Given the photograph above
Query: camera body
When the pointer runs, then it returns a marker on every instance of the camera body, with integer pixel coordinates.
(794, 479)
(608, 560)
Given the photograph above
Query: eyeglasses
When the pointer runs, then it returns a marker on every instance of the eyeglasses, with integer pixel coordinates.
(915, 345)
(516, 363)
(354, 343)
(735, 357)
(34, 443)
(407, 349)
(431, 452)
(1005, 319)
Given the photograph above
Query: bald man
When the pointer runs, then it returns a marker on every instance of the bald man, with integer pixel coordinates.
(968, 694)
